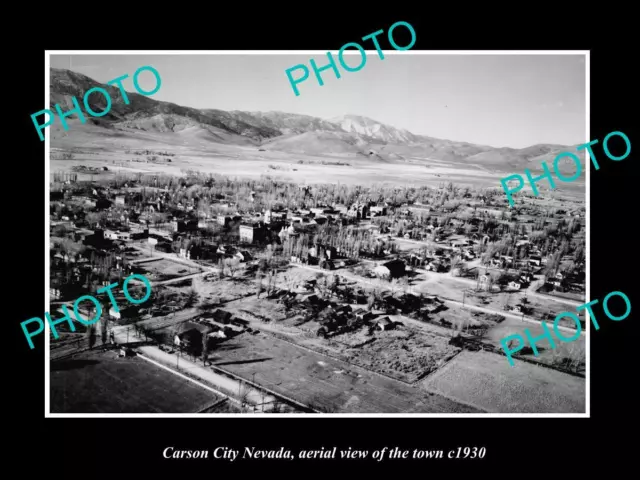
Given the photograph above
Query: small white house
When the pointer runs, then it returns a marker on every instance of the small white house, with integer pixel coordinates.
(514, 285)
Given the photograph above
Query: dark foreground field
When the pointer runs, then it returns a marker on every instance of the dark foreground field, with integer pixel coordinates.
(98, 382)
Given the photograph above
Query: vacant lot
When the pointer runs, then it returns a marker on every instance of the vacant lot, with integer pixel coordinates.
(98, 382)
(405, 355)
(164, 269)
(561, 354)
(323, 382)
(259, 308)
(487, 381)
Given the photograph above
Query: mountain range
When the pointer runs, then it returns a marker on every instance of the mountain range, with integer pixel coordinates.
(350, 135)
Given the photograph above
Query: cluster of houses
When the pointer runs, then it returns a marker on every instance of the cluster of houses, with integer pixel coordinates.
(215, 326)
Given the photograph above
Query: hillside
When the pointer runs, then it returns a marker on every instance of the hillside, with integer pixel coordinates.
(144, 113)
(273, 131)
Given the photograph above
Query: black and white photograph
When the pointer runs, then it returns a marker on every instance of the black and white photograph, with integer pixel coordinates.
(265, 236)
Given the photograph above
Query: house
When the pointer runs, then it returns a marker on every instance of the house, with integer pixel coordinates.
(120, 200)
(164, 247)
(190, 335)
(535, 260)
(124, 313)
(391, 269)
(226, 250)
(311, 298)
(222, 316)
(363, 315)
(243, 256)
(384, 323)
(342, 310)
(274, 216)
(103, 203)
(250, 233)
(526, 277)
(514, 285)
(327, 265)
(328, 251)
(378, 211)
(358, 211)
(217, 333)
(224, 220)
(341, 209)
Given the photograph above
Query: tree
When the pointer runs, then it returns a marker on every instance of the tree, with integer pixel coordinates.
(91, 335)
(269, 283)
(104, 328)
(193, 298)
(205, 346)
(199, 287)
(243, 394)
(233, 264)
(370, 301)
(394, 285)
(258, 284)
(403, 284)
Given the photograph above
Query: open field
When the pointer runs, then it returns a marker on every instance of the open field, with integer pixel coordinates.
(547, 355)
(487, 381)
(405, 355)
(94, 146)
(324, 382)
(161, 269)
(100, 382)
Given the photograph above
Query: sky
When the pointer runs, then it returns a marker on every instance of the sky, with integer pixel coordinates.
(498, 100)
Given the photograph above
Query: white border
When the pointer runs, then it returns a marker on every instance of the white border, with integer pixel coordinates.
(48, 413)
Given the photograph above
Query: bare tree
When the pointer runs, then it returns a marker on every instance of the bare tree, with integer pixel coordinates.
(394, 285)
(233, 264)
(193, 298)
(258, 284)
(205, 346)
(104, 328)
(403, 284)
(371, 299)
(243, 394)
(91, 335)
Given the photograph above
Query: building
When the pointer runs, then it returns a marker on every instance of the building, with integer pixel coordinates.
(515, 285)
(224, 220)
(535, 260)
(111, 235)
(384, 324)
(391, 269)
(378, 211)
(250, 233)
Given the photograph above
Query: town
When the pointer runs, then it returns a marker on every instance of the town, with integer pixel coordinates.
(281, 297)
